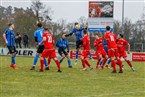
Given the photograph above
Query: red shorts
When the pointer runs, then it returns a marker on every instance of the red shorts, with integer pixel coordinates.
(48, 53)
(122, 54)
(85, 53)
(101, 52)
(113, 53)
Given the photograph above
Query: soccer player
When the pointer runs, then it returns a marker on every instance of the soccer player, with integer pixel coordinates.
(49, 50)
(121, 45)
(62, 45)
(106, 49)
(38, 38)
(9, 37)
(86, 50)
(112, 50)
(98, 43)
(78, 31)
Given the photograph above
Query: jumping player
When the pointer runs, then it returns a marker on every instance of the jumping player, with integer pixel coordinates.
(38, 38)
(78, 31)
(62, 45)
(49, 50)
(112, 50)
(86, 50)
(121, 45)
(9, 37)
(98, 43)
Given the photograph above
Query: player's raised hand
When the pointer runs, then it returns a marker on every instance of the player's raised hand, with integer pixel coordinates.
(128, 52)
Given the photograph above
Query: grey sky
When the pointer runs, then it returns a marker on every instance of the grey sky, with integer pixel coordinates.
(72, 10)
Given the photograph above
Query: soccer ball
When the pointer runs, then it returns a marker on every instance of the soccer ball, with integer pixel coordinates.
(77, 27)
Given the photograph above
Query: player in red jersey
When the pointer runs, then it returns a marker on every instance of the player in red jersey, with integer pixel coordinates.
(49, 50)
(85, 51)
(121, 45)
(101, 53)
(112, 50)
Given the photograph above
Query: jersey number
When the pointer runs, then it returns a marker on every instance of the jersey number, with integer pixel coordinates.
(111, 38)
(49, 39)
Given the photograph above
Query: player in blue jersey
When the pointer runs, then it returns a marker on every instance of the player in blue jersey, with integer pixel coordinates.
(38, 38)
(62, 45)
(78, 31)
(9, 37)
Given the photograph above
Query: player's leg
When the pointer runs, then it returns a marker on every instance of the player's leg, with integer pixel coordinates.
(113, 58)
(129, 63)
(35, 61)
(41, 64)
(62, 56)
(90, 56)
(12, 51)
(119, 62)
(104, 61)
(88, 64)
(77, 55)
(99, 60)
(53, 55)
(83, 63)
(69, 61)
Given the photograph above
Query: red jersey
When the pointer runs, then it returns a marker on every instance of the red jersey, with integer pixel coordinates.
(121, 45)
(49, 43)
(86, 42)
(111, 40)
(99, 44)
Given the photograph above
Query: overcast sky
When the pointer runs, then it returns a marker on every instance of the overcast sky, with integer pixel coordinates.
(71, 10)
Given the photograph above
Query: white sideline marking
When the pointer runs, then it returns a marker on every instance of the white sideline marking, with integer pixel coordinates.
(114, 94)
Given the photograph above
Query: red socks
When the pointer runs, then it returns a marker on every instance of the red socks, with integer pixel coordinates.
(88, 64)
(83, 63)
(129, 63)
(113, 65)
(104, 61)
(49, 60)
(120, 64)
(98, 61)
(42, 65)
(58, 64)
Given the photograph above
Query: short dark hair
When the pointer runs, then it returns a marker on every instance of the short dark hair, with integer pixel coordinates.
(10, 24)
(76, 23)
(39, 24)
(121, 35)
(85, 31)
(46, 28)
(108, 28)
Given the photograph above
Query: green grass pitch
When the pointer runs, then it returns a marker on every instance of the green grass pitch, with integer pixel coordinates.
(71, 82)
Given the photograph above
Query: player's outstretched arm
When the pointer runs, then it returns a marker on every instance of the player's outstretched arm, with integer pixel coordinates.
(67, 35)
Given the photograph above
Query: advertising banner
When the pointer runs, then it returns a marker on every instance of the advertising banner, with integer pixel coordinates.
(138, 56)
(100, 15)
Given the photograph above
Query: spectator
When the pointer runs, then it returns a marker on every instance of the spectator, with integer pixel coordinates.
(18, 40)
(25, 40)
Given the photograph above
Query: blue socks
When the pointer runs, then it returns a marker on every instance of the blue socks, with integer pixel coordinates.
(69, 62)
(45, 62)
(61, 60)
(13, 59)
(109, 61)
(77, 54)
(90, 55)
(35, 60)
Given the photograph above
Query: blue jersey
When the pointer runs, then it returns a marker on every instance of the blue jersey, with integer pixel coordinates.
(105, 45)
(38, 33)
(10, 36)
(78, 33)
(62, 43)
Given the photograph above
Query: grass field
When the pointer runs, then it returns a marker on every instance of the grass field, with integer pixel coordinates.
(71, 82)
